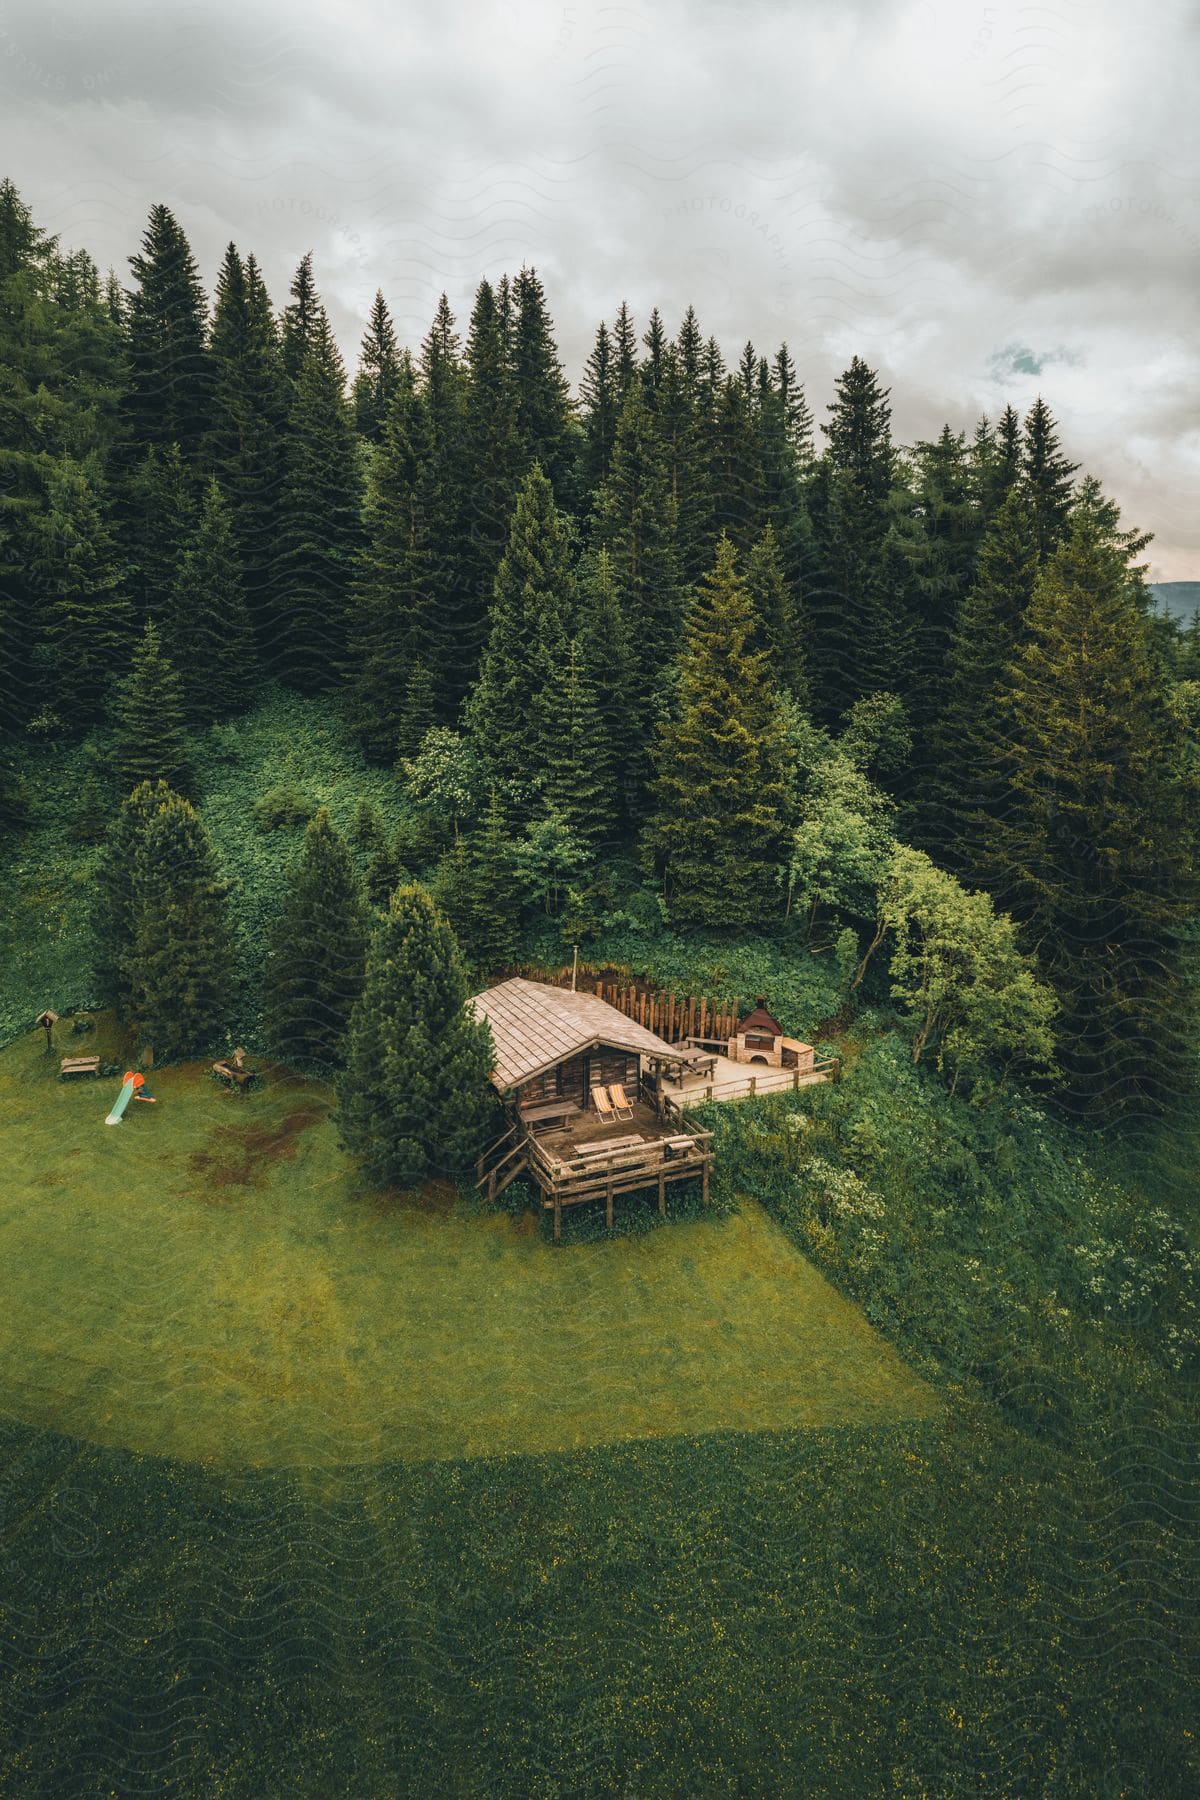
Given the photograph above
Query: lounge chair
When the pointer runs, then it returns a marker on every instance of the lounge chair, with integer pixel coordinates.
(601, 1102)
(621, 1104)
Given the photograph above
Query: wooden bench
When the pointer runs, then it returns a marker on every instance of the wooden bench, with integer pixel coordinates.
(79, 1065)
(679, 1146)
(239, 1077)
(608, 1147)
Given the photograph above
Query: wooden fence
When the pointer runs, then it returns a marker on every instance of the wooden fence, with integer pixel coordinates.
(669, 1016)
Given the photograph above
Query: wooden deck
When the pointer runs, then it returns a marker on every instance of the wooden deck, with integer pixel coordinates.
(594, 1158)
(738, 1081)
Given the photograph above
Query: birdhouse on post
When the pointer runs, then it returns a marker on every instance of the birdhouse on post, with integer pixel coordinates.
(47, 1020)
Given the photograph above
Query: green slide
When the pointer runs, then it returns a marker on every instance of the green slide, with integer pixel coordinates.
(122, 1101)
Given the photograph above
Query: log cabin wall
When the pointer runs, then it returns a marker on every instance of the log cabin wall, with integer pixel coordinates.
(574, 1078)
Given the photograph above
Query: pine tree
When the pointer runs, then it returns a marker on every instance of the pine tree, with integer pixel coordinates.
(180, 956)
(208, 625)
(391, 597)
(245, 448)
(477, 889)
(148, 720)
(532, 614)
(635, 522)
(778, 622)
(578, 777)
(598, 391)
(734, 473)
(854, 600)
(113, 894)
(158, 516)
(1046, 475)
(62, 374)
(718, 833)
(413, 1101)
(319, 522)
(625, 358)
(87, 616)
(967, 789)
(603, 640)
(170, 377)
(318, 951)
(442, 507)
(545, 424)
(655, 362)
(795, 406)
(302, 319)
(378, 372)
(1097, 852)
(681, 431)
(491, 464)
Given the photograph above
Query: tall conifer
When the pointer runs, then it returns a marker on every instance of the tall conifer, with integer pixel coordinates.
(722, 800)
(413, 1100)
(318, 951)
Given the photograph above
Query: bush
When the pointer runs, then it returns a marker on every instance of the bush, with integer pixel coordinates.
(283, 806)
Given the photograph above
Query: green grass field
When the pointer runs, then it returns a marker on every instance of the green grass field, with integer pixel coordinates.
(209, 1280)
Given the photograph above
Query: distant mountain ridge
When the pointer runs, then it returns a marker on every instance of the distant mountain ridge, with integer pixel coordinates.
(1181, 598)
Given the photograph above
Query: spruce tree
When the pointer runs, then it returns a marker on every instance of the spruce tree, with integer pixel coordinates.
(87, 615)
(170, 377)
(318, 952)
(722, 801)
(795, 406)
(491, 463)
(245, 448)
(778, 620)
(532, 614)
(635, 522)
(302, 319)
(148, 720)
(603, 641)
(158, 517)
(1046, 474)
(391, 595)
(854, 600)
(598, 391)
(579, 775)
(112, 894)
(319, 522)
(545, 425)
(654, 364)
(734, 473)
(1096, 852)
(378, 372)
(476, 887)
(179, 964)
(625, 357)
(208, 624)
(413, 1101)
(451, 612)
(967, 788)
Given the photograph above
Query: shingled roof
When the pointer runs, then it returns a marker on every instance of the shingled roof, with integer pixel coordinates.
(535, 1026)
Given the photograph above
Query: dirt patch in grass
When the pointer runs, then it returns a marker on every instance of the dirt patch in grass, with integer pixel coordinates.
(244, 1155)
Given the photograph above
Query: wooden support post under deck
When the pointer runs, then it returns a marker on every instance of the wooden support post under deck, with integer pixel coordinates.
(557, 1218)
(662, 1195)
(608, 1198)
(704, 1192)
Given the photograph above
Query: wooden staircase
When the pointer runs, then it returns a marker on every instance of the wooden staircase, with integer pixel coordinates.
(501, 1163)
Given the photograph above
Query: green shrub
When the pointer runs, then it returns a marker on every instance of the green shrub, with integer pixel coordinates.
(283, 806)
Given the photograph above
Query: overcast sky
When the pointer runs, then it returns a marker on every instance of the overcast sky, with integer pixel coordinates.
(983, 201)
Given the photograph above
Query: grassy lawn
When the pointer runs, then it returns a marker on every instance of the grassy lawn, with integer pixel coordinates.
(210, 1281)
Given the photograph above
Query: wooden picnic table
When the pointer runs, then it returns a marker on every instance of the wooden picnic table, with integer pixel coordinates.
(549, 1112)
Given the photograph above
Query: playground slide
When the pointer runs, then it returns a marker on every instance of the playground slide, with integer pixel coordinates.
(121, 1102)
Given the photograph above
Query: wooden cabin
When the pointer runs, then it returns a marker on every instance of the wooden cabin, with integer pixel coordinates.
(579, 1085)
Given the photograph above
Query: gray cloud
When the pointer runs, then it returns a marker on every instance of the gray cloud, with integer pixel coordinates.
(981, 200)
